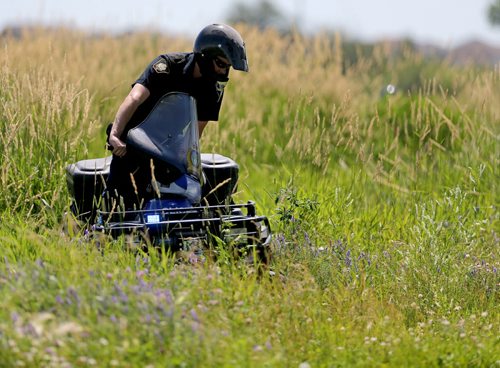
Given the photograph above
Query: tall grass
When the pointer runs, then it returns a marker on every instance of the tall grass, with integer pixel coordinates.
(384, 207)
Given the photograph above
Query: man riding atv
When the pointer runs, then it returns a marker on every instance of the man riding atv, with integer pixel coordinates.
(159, 187)
(201, 74)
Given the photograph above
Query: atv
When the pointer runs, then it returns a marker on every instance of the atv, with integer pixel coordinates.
(192, 209)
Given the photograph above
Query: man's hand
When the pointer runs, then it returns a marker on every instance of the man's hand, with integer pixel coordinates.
(119, 147)
(137, 96)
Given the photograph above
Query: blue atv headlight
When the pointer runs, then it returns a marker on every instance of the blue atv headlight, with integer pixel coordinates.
(153, 219)
(156, 211)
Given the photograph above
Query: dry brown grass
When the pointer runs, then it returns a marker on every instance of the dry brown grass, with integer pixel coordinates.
(298, 103)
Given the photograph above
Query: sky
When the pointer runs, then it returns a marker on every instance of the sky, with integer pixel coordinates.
(445, 23)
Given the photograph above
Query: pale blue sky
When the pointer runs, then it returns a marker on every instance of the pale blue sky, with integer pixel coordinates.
(443, 22)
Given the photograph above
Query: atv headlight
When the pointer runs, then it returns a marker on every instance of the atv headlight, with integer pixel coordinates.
(152, 219)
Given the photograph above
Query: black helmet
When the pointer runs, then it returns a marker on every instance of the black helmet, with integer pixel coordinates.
(223, 40)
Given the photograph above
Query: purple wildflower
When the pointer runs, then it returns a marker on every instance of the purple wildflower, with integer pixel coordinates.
(348, 260)
(168, 297)
(29, 329)
(73, 294)
(14, 316)
(39, 263)
(306, 236)
(194, 315)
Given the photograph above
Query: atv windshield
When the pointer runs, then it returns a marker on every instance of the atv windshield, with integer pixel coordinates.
(170, 134)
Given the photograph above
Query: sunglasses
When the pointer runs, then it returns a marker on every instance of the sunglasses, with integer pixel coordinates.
(221, 64)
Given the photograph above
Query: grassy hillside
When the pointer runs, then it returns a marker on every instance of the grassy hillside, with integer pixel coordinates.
(384, 207)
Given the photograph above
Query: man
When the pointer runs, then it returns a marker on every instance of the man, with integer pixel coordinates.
(202, 74)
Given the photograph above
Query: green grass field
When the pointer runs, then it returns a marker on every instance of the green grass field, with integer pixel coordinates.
(385, 210)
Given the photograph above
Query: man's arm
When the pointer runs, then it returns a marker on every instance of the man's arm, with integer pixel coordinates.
(201, 126)
(138, 94)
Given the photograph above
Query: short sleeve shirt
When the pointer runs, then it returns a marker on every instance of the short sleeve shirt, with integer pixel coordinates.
(174, 73)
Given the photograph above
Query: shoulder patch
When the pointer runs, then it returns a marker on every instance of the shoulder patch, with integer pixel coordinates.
(161, 66)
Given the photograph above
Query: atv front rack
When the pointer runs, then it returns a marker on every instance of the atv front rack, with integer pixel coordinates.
(176, 227)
